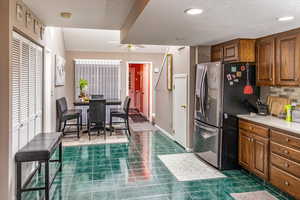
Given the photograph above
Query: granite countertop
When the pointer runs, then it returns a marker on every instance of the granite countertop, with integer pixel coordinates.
(273, 122)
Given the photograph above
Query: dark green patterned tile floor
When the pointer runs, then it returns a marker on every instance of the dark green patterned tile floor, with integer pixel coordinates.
(133, 171)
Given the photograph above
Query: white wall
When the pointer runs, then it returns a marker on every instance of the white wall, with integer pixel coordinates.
(54, 42)
(184, 62)
(164, 104)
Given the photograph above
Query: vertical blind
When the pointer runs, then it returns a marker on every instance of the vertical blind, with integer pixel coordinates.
(26, 90)
(103, 78)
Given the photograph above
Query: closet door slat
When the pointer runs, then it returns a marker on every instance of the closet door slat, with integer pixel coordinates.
(15, 91)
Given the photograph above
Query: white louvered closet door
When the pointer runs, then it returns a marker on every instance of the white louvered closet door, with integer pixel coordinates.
(15, 91)
(38, 90)
(32, 92)
(24, 93)
(26, 90)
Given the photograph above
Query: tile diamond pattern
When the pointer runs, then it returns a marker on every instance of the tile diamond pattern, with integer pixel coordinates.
(187, 167)
(133, 171)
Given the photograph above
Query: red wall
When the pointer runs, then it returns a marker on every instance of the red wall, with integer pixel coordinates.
(138, 72)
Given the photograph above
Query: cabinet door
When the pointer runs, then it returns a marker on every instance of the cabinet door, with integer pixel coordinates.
(216, 53)
(287, 60)
(245, 149)
(231, 52)
(265, 68)
(260, 156)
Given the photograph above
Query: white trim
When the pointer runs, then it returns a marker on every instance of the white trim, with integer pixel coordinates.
(139, 62)
(165, 132)
(180, 76)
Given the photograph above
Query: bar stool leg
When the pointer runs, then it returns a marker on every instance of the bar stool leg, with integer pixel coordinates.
(19, 180)
(47, 180)
(60, 157)
(78, 126)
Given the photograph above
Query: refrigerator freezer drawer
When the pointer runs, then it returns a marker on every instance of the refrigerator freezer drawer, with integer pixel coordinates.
(206, 143)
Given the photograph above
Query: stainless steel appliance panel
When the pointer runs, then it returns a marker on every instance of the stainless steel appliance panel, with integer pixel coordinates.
(206, 143)
(209, 83)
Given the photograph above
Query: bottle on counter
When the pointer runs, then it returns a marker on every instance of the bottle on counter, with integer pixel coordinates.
(288, 109)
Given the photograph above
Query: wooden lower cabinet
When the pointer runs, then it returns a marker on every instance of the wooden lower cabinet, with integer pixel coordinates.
(260, 157)
(285, 181)
(253, 151)
(245, 149)
(273, 155)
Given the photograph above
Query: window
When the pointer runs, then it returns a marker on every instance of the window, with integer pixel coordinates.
(103, 78)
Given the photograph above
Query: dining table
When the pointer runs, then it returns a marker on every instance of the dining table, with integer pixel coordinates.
(109, 102)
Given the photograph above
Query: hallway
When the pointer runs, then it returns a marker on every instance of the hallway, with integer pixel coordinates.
(134, 171)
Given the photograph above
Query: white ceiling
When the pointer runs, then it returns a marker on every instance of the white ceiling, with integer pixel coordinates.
(101, 14)
(164, 21)
(101, 41)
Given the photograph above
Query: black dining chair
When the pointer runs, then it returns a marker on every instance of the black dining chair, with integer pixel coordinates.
(123, 114)
(96, 116)
(97, 96)
(64, 115)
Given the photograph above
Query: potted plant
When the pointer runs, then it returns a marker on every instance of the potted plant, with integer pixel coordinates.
(83, 87)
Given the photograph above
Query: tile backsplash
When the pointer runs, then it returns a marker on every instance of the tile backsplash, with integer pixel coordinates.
(293, 93)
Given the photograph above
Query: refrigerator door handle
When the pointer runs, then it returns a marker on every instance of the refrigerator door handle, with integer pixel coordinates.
(205, 127)
(203, 97)
(205, 85)
(200, 96)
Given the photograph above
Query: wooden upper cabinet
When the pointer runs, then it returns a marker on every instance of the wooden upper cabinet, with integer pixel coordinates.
(265, 65)
(287, 60)
(231, 52)
(216, 53)
(240, 50)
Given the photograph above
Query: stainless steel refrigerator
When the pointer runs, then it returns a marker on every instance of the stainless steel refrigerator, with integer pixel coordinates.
(219, 98)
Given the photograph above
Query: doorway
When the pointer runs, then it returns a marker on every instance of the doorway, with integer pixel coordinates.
(139, 88)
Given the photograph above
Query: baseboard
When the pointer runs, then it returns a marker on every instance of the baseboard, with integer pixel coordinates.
(165, 132)
(189, 149)
(172, 138)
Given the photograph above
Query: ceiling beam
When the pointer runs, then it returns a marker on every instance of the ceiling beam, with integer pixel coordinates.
(136, 10)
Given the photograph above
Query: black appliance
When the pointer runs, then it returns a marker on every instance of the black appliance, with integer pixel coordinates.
(219, 99)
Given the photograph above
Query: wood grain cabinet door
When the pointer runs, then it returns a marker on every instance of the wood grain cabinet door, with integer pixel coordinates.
(245, 149)
(260, 156)
(265, 67)
(287, 60)
(216, 53)
(231, 52)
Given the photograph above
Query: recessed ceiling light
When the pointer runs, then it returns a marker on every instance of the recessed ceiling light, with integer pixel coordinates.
(66, 15)
(193, 11)
(286, 18)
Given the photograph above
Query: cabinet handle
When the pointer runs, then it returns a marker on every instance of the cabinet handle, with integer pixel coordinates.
(251, 128)
(286, 165)
(286, 183)
(287, 139)
(286, 152)
(252, 139)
